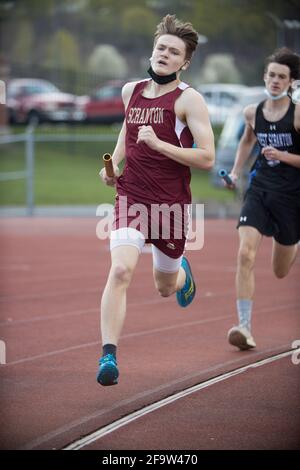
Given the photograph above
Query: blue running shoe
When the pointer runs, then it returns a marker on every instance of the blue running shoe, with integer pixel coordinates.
(108, 371)
(186, 295)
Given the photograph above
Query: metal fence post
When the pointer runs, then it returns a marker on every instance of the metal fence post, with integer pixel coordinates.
(30, 170)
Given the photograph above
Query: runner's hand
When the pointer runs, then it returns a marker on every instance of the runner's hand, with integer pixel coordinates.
(234, 177)
(271, 153)
(147, 135)
(106, 179)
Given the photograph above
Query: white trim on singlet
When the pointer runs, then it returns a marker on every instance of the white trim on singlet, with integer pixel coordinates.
(183, 85)
(179, 125)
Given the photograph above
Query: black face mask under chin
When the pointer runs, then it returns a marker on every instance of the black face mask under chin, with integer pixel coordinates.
(161, 79)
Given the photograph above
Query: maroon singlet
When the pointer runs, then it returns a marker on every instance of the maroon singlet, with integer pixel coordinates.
(151, 178)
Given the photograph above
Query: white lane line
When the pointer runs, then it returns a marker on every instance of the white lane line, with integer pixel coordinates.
(55, 316)
(139, 333)
(129, 335)
(15, 267)
(211, 295)
(96, 274)
(215, 369)
(43, 295)
(89, 439)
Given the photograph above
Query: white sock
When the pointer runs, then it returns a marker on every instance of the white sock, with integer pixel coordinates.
(244, 309)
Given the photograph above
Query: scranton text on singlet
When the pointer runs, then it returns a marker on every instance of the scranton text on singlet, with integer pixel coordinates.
(145, 116)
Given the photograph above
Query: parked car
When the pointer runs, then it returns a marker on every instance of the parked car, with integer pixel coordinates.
(35, 100)
(105, 105)
(231, 134)
(220, 98)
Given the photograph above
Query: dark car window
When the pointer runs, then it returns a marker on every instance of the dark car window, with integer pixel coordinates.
(37, 89)
(228, 99)
(207, 95)
(107, 93)
(31, 89)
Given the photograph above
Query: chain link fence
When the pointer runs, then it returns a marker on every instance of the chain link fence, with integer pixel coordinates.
(19, 152)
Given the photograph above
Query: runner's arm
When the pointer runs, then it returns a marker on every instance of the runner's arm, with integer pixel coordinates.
(119, 151)
(246, 143)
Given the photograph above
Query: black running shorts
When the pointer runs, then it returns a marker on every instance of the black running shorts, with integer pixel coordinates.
(272, 214)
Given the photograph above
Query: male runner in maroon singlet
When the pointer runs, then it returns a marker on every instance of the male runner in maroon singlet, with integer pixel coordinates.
(272, 202)
(163, 118)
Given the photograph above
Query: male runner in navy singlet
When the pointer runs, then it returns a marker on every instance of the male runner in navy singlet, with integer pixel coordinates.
(164, 117)
(272, 202)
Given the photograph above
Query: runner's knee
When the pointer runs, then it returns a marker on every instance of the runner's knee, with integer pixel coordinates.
(280, 271)
(246, 256)
(121, 274)
(283, 259)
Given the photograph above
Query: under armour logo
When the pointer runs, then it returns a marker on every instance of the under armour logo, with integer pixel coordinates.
(243, 219)
(272, 127)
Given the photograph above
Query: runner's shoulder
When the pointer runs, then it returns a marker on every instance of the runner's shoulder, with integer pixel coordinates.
(191, 98)
(297, 117)
(249, 112)
(128, 88)
(191, 93)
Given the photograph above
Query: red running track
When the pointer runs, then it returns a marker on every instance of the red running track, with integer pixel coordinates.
(52, 275)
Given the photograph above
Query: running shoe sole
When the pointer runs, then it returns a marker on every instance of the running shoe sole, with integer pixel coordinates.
(182, 301)
(108, 375)
(238, 339)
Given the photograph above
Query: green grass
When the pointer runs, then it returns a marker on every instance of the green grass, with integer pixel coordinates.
(67, 173)
(203, 190)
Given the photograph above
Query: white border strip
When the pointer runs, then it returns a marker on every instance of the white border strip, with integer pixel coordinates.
(87, 440)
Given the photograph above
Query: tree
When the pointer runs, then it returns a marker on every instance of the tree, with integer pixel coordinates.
(107, 63)
(62, 51)
(139, 21)
(220, 68)
(23, 43)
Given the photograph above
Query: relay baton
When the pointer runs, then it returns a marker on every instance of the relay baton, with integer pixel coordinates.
(108, 165)
(223, 174)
